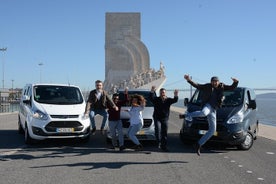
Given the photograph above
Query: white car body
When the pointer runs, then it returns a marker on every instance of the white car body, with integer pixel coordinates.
(147, 132)
(61, 115)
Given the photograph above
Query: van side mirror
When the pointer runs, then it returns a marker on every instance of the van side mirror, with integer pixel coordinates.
(186, 101)
(252, 104)
(26, 99)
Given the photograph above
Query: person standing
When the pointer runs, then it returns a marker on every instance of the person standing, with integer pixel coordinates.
(212, 98)
(97, 104)
(138, 104)
(115, 122)
(161, 115)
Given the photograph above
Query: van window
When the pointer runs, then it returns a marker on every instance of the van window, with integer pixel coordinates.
(146, 95)
(251, 94)
(232, 98)
(57, 95)
(196, 99)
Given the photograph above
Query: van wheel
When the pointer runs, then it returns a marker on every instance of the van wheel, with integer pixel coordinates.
(20, 128)
(256, 131)
(28, 139)
(185, 140)
(247, 143)
(86, 139)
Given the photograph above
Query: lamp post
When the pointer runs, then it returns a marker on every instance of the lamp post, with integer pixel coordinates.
(12, 90)
(40, 66)
(3, 80)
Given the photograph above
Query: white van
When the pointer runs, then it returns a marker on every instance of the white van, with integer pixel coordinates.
(147, 132)
(52, 111)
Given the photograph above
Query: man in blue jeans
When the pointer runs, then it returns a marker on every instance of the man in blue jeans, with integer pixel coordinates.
(211, 100)
(161, 115)
(97, 103)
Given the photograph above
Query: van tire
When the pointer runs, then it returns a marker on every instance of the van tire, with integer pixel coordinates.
(247, 143)
(28, 139)
(184, 140)
(86, 139)
(20, 128)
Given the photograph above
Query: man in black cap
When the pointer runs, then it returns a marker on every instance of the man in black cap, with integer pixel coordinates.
(212, 97)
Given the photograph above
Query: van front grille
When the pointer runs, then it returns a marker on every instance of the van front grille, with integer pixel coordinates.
(147, 123)
(64, 116)
(53, 125)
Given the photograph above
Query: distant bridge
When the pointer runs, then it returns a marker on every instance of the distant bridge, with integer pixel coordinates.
(255, 89)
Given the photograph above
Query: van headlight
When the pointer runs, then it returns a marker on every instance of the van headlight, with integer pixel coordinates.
(85, 117)
(237, 118)
(40, 115)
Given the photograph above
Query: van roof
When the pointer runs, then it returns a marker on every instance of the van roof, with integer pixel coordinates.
(120, 90)
(49, 84)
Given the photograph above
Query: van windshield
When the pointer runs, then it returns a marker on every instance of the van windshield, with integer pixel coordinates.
(62, 95)
(232, 98)
(146, 95)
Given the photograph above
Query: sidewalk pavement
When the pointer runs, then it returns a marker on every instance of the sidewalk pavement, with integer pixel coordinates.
(265, 131)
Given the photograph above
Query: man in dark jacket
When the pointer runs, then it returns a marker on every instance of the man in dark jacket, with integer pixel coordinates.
(161, 115)
(97, 104)
(212, 97)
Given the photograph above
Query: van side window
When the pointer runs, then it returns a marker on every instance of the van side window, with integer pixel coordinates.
(251, 95)
(197, 97)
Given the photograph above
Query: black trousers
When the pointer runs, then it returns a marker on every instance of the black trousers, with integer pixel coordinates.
(161, 131)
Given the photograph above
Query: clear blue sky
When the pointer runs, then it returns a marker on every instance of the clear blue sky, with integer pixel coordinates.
(227, 38)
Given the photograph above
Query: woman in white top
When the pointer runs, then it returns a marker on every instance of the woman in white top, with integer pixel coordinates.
(138, 103)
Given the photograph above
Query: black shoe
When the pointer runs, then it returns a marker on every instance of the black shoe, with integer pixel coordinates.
(93, 131)
(102, 131)
(181, 116)
(112, 147)
(159, 146)
(122, 148)
(138, 147)
(165, 149)
(197, 149)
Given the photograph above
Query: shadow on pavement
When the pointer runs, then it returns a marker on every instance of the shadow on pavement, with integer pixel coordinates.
(11, 140)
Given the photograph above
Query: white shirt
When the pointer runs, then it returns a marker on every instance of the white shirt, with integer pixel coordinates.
(136, 115)
(98, 95)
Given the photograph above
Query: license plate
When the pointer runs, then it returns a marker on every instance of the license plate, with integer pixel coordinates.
(65, 130)
(202, 132)
(141, 132)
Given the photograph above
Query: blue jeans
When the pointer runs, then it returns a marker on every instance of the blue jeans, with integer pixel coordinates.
(211, 114)
(132, 131)
(101, 112)
(161, 131)
(113, 126)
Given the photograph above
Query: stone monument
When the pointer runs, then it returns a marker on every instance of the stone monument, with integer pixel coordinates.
(127, 62)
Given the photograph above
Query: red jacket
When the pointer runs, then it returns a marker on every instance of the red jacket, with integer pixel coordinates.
(113, 114)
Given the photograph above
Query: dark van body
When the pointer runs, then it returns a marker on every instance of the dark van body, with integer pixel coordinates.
(237, 122)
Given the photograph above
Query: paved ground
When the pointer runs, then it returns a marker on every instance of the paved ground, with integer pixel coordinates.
(74, 162)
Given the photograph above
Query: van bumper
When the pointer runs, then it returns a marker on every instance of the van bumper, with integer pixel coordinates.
(53, 129)
(232, 138)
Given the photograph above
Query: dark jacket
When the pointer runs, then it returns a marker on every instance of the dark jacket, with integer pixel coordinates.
(113, 114)
(94, 103)
(208, 91)
(162, 108)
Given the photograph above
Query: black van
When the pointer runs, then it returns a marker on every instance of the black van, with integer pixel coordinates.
(237, 122)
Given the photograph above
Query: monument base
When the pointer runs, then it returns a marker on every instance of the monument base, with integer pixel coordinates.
(157, 83)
